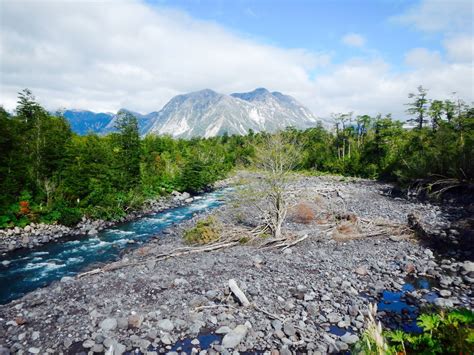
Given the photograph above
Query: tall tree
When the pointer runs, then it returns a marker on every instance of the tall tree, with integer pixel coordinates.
(435, 111)
(418, 106)
(128, 139)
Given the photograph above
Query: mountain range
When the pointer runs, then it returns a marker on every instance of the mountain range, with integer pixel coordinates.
(207, 113)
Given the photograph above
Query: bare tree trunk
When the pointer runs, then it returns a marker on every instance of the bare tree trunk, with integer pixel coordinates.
(276, 157)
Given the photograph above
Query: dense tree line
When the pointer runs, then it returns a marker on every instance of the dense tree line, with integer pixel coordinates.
(48, 173)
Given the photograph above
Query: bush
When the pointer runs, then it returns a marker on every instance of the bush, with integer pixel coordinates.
(442, 333)
(206, 231)
(303, 213)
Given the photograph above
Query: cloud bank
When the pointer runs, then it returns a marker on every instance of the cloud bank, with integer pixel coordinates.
(111, 54)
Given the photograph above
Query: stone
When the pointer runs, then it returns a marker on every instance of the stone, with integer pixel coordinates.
(135, 321)
(289, 329)
(166, 339)
(445, 293)
(468, 266)
(89, 343)
(276, 324)
(166, 325)
(34, 350)
(443, 302)
(122, 323)
(312, 309)
(410, 268)
(334, 317)
(349, 338)
(35, 335)
(108, 324)
(223, 330)
(119, 349)
(361, 270)
(235, 337)
(180, 282)
(98, 348)
(93, 231)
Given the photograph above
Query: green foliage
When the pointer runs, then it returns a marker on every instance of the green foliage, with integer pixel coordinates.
(442, 333)
(206, 231)
(65, 175)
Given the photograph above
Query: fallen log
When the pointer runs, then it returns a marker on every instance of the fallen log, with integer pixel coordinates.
(238, 293)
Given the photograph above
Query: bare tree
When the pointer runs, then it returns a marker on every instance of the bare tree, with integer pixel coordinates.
(276, 157)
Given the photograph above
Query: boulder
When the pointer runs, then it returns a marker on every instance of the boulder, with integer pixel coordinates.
(166, 325)
(108, 324)
(234, 337)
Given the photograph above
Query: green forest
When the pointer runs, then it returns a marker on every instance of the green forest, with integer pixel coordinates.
(50, 174)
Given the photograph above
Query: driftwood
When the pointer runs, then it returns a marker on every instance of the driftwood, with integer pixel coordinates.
(238, 293)
(174, 253)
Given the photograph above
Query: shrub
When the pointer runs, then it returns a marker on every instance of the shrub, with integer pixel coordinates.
(442, 333)
(206, 231)
(303, 213)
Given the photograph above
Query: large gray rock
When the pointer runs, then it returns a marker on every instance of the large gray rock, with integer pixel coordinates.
(235, 337)
(166, 325)
(468, 266)
(349, 338)
(108, 324)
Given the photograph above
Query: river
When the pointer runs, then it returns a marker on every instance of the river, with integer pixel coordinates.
(25, 270)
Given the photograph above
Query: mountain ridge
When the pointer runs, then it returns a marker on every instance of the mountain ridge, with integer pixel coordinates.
(207, 113)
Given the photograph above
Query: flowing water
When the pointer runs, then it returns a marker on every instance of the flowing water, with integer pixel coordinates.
(23, 271)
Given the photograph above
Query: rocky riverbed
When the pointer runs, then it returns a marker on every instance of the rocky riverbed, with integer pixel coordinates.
(36, 234)
(310, 298)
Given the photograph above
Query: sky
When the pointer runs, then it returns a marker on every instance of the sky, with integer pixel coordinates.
(333, 56)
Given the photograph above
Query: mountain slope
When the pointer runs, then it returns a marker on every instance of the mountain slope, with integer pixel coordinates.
(83, 122)
(207, 113)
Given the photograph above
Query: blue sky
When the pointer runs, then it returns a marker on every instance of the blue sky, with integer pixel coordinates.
(317, 25)
(331, 55)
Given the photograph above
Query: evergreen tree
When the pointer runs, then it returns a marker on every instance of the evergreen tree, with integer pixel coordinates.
(418, 107)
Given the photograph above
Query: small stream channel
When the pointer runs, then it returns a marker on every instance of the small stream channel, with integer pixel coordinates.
(25, 270)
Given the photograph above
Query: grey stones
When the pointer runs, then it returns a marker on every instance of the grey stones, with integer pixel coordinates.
(361, 270)
(349, 338)
(166, 325)
(180, 282)
(276, 324)
(445, 293)
(468, 266)
(289, 329)
(108, 324)
(89, 343)
(443, 302)
(135, 320)
(234, 337)
(34, 350)
(223, 330)
(334, 317)
(122, 323)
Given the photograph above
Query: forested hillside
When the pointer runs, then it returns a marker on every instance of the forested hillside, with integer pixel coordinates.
(49, 174)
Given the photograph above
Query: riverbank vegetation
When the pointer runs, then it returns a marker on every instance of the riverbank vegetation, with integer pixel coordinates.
(442, 332)
(49, 174)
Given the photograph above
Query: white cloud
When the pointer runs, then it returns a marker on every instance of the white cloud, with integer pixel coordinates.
(104, 56)
(423, 58)
(460, 48)
(353, 40)
(439, 15)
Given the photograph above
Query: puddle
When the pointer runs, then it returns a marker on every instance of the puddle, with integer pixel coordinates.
(398, 305)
